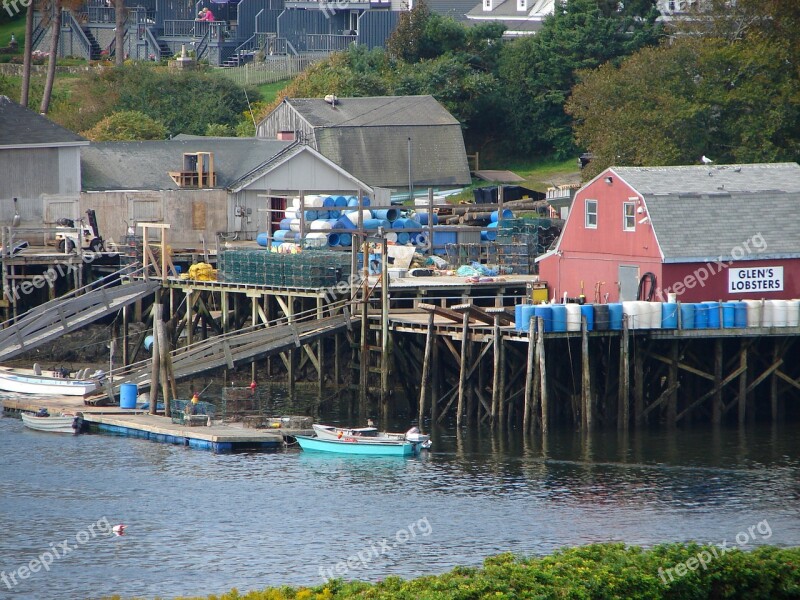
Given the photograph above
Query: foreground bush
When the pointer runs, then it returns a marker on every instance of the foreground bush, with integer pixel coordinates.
(600, 571)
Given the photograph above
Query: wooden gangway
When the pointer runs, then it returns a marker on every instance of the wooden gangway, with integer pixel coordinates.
(51, 320)
(241, 346)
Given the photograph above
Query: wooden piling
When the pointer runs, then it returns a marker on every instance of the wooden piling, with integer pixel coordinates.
(463, 368)
(496, 392)
(156, 366)
(773, 383)
(742, 398)
(672, 399)
(586, 380)
(624, 377)
(542, 372)
(638, 385)
(426, 370)
(717, 406)
(528, 400)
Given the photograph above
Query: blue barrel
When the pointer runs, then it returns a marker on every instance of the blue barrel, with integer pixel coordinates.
(602, 319)
(128, 392)
(286, 224)
(713, 314)
(526, 312)
(374, 223)
(740, 314)
(420, 238)
(559, 317)
(490, 235)
(700, 316)
(261, 239)
(344, 223)
(148, 342)
(688, 316)
(412, 224)
(546, 313)
(329, 202)
(399, 223)
(345, 239)
(341, 202)
(423, 218)
(280, 236)
(729, 315)
(353, 201)
(518, 317)
(334, 239)
(311, 215)
(587, 310)
(390, 214)
(507, 214)
(669, 315)
(403, 237)
(615, 315)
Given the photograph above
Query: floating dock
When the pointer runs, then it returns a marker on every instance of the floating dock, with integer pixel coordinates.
(139, 424)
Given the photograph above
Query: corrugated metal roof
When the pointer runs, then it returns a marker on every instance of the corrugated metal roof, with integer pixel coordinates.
(373, 111)
(701, 213)
(21, 127)
(145, 165)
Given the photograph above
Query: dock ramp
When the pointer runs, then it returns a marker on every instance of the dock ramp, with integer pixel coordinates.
(65, 314)
(242, 346)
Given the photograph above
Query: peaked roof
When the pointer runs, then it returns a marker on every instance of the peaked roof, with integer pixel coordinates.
(701, 213)
(23, 128)
(369, 137)
(508, 11)
(145, 165)
(378, 111)
(457, 9)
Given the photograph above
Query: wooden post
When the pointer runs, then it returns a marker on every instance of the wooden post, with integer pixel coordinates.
(624, 377)
(426, 371)
(638, 386)
(463, 368)
(542, 372)
(156, 365)
(125, 327)
(496, 391)
(320, 355)
(672, 399)
(742, 400)
(364, 356)
(586, 380)
(290, 353)
(336, 361)
(384, 330)
(528, 400)
(716, 407)
(773, 383)
(435, 380)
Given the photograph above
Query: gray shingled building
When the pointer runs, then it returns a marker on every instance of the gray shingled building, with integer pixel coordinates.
(369, 137)
(40, 166)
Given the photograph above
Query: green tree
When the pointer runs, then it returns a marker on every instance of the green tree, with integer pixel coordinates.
(405, 43)
(219, 130)
(126, 126)
(538, 72)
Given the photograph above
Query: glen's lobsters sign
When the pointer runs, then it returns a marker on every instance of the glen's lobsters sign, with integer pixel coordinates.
(760, 279)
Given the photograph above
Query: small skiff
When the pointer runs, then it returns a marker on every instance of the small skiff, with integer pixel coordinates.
(329, 432)
(46, 386)
(359, 445)
(63, 423)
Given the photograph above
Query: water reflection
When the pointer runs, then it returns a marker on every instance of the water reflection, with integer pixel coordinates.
(270, 518)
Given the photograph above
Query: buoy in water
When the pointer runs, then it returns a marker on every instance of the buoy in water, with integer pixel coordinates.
(118, 529)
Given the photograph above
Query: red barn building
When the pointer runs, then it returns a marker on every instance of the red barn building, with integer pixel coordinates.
(718, 232)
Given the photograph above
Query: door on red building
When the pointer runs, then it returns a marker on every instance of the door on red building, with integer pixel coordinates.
(628, 282)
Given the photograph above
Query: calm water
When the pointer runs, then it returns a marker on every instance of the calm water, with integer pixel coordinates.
(201, 523)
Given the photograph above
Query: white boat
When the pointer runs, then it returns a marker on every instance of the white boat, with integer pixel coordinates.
(46, 386)
(63, 423)
(329, 432)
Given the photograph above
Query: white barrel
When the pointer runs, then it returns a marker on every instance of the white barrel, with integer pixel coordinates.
(767, 313)
(793, 313)
(313, 201)
(291, 214)
(316, 239)
(295, 225)
(753, 313)
(391, 236)
(321, 225)
(573, 317)
(353, 216)
(779, 312)
(295, 203)
(654, 312)
(630, 311)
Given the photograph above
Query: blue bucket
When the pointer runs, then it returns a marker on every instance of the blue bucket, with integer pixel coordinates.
(546, 313)
(688, 316)
(587, 310)
(128, 392)
(669, 315)
(740, 314)
(615, 315)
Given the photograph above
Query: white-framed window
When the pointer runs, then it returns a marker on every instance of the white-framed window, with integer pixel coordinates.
(591, 214)
(629, 216)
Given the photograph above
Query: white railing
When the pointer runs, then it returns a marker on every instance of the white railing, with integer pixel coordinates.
(271, 71)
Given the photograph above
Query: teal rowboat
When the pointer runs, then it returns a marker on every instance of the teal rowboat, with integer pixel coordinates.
(351, 445)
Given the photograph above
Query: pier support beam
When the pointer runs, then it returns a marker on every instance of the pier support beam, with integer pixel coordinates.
(717, 406)
(426, 372)
(624, 377)
(497, 393)
(542, 372)
(463, 367)
(672, 399)
(638, 385)
(586, 380)
(742, 399)
(529, 372)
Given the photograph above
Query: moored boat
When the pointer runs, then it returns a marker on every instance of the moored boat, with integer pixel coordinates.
(330, 432)
(359, 445)
(46, 386)
(63, 423)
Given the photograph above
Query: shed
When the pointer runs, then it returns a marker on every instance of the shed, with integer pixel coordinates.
(384, 141)
(723, 232)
